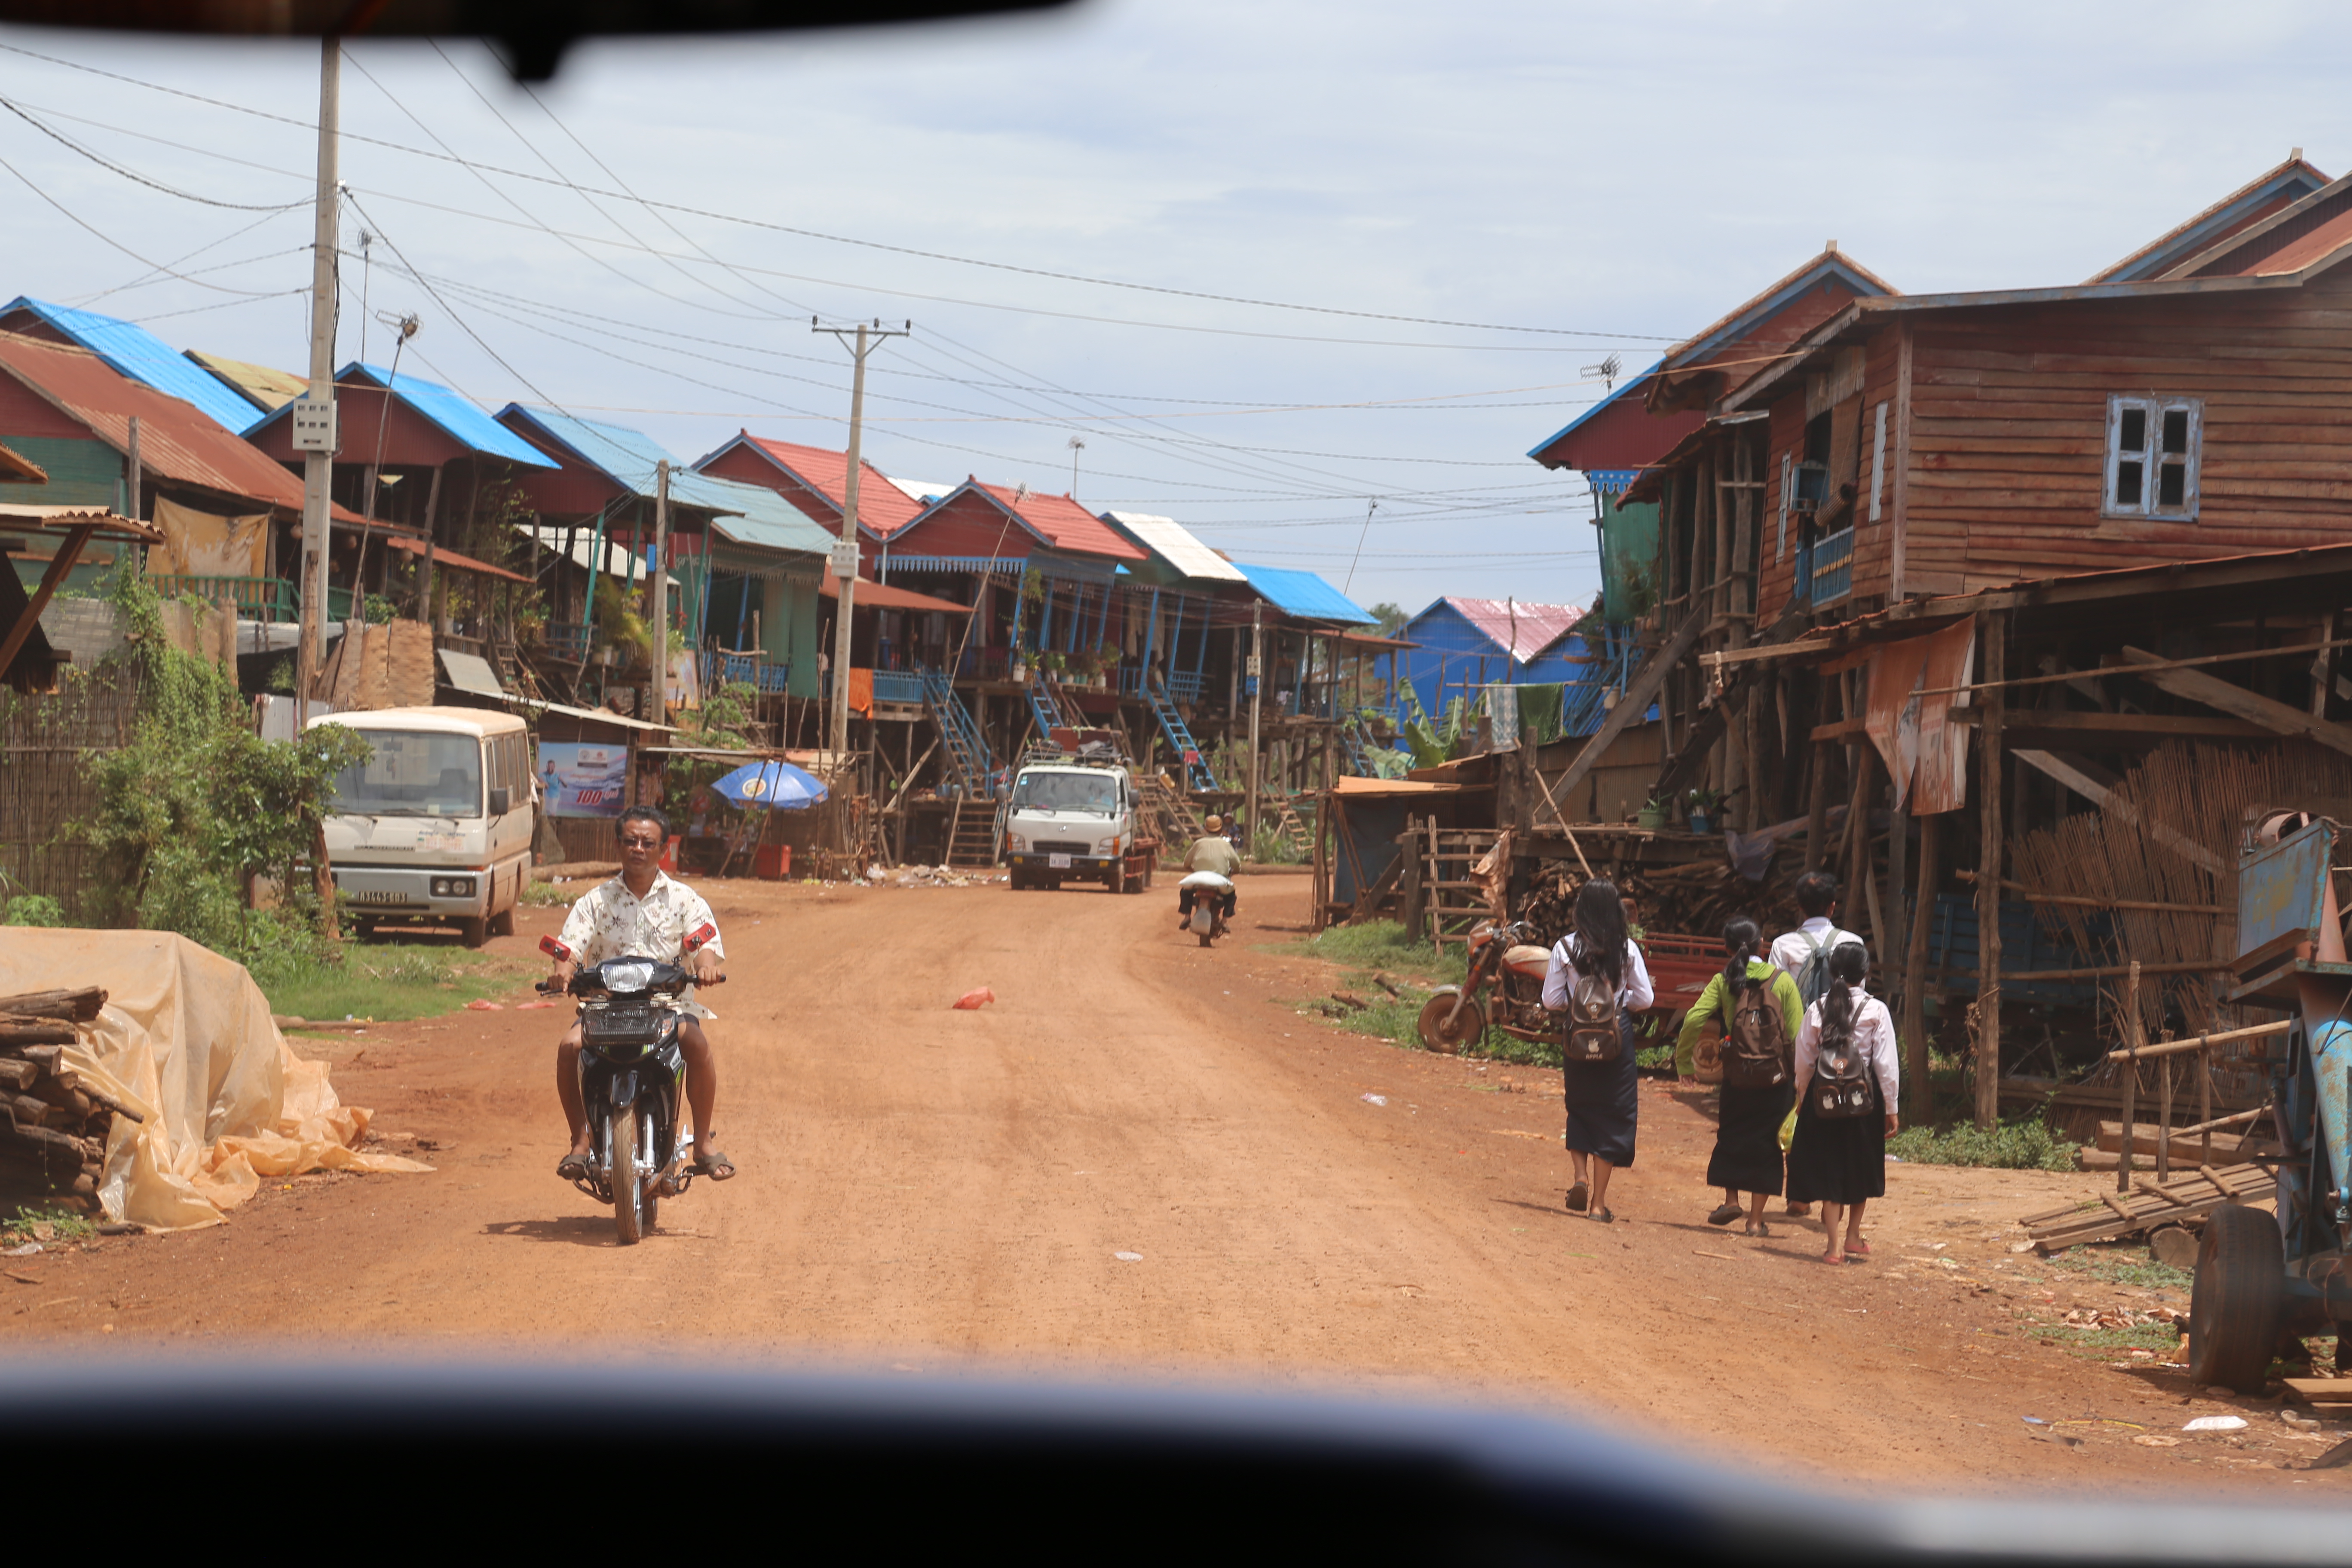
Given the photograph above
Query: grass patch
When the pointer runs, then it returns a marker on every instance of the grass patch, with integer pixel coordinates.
(45, 1226)
(1381, 945)
(392, 982)
(2023, 1145)
(2161, 1338)
(549, 896)
(2128, 1265)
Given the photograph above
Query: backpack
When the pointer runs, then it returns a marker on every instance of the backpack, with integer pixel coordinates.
(1841, 1079)
(1755, 1048)
(1813, 975)
(1592, 1021)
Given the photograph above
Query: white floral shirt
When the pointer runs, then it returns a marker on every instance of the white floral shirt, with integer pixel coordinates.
(609, 921)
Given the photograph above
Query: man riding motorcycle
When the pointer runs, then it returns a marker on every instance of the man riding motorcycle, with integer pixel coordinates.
(1210, 852)
(642, 913)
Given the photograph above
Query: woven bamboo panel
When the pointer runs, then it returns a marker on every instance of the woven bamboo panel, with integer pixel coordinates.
(47, 744)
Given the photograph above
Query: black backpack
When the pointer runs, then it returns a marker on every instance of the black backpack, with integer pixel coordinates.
(1755, 1045)
(1590, 1034)
(1841, 1079)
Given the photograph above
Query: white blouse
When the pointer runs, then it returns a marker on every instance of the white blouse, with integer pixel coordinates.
(1874, 1036)
(1633, 995)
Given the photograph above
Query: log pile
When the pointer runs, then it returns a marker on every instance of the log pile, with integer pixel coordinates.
(53, 1126)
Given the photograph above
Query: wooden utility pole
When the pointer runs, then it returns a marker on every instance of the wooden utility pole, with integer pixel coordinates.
(1257, 695)
(844, 550)
(1992, 634)
(314, 423)
(658, 597)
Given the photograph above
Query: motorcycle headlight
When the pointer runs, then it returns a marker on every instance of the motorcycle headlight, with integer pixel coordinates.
(632, 976)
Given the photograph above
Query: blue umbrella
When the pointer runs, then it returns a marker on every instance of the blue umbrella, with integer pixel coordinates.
(778, 784)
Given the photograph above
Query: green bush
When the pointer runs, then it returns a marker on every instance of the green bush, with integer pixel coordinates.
(32, 910)
(2026, 1144)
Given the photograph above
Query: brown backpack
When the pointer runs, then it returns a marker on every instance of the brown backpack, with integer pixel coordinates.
(1590, 1035)
(1755, 1047)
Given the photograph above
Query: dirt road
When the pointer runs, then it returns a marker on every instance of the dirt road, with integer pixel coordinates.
(1142, 1160)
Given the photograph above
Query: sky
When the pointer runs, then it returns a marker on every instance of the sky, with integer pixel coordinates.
(1311, 278)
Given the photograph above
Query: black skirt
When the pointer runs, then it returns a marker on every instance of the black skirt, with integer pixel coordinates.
(1604, 1101)
(1839, 1159)
(1747, 1156)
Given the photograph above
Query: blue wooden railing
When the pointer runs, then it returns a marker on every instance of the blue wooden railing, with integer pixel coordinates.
(1833, 566)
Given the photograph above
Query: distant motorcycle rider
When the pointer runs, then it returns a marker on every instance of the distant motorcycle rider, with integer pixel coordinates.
(1210, 852)
(642, 913)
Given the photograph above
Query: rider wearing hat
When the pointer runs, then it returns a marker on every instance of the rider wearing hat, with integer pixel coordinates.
(1210, 852)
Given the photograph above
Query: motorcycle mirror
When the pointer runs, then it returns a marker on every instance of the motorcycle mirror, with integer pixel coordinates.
(554, 949)
(700, 935)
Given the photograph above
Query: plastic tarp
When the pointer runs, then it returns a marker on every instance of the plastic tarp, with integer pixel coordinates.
(203, 544)
(185, 1038)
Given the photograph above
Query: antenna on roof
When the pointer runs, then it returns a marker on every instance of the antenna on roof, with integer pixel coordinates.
(1021, 492)
(1607, 370)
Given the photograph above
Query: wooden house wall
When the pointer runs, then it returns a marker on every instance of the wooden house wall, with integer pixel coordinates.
(1854, 434)
(968, 524)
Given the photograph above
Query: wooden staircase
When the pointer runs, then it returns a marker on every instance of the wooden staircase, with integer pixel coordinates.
(972, 835)
(1172, 816)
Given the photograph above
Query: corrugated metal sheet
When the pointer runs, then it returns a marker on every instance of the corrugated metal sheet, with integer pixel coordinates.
(1523, 629)
(884, 506)
(17, 468)
(1304, 595)
(1059, 521)
(465, 424)
(2270, 192)
(1172, 543)
(267, 390)
(176, 440)
(143, 357)
(753, 515)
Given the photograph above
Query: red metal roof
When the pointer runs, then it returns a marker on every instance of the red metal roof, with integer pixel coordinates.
(176, 440)
(454, 562)
(883, 509)
(1522, 628)
(873, 595)
(2311, 230)
(1062, 523)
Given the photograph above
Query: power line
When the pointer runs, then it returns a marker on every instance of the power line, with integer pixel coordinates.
(76, 219)
(63, 139)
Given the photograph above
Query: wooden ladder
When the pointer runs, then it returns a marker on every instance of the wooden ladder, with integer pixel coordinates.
(972, 835)
(1179, 824)
(1457, 900)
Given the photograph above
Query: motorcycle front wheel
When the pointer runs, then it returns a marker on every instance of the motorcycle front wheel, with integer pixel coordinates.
(628, 1192)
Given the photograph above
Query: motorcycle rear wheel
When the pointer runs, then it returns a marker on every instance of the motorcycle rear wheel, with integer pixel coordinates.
(628, 1193)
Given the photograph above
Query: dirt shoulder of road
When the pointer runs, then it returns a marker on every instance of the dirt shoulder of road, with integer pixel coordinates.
(1151, 1160)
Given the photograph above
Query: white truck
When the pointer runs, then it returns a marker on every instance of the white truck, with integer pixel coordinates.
(1076, 819)
(434, 828)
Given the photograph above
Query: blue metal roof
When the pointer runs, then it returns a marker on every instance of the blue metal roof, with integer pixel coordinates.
(631, 459)
(753, 514)
(1304, 595)
(139, 354)
(1624, 389)
(627, 458)
(460, 419)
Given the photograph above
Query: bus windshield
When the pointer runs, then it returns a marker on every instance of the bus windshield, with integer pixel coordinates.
(414, 774)
(1094, 793)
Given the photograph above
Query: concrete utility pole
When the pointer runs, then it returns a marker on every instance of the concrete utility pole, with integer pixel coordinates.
(657, 597)
(1257, 697)
(313, 420)
(844, 550)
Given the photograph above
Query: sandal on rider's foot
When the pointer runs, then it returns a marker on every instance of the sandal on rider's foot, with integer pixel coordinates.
(573, 1167)
(1725, 1214)
(714, 1164)
(1760, 1228)
(1577, 1196)
(1857, 1248)
(1604, 1217)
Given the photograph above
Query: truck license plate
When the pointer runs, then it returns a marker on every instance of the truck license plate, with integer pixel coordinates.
(1057, 862)
(372, 896)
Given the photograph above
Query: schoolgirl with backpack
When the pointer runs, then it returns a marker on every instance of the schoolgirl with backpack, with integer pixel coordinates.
(1849, 1078)
(1597, 981)
(1761, 1018)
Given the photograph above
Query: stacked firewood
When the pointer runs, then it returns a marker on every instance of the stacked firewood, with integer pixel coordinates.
(53, 1126)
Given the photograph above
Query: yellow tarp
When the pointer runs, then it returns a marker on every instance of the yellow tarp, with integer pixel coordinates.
(203, 544)
(185, 1037)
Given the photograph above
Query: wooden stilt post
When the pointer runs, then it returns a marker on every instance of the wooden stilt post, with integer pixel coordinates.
(2131, 1078)
(1917, 1107)
(1992, 635)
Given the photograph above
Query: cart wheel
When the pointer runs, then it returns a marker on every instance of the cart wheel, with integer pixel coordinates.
(2240, 1297)
(1467, 1028)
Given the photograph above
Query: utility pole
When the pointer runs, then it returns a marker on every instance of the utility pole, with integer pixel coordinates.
(314, 421)
(658, 595)
(870, 337)
(1257, 697)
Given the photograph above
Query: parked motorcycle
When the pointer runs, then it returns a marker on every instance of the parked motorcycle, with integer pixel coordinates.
(1208, 916)
(1508, 957)
(633, 1082)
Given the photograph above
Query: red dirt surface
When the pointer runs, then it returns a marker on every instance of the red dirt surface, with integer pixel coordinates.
(936, 1191)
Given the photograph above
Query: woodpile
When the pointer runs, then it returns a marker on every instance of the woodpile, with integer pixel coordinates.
(2104, 1215)
(53, 1126)
(2229, 1147)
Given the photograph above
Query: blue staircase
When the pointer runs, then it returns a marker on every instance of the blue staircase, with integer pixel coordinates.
(1352, 736)
(1041, 710)
(1197, 773)
(967, 748)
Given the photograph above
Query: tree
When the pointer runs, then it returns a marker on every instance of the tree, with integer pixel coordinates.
(1392, 618)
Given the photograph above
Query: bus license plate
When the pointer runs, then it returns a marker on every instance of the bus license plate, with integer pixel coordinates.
(1057, 862)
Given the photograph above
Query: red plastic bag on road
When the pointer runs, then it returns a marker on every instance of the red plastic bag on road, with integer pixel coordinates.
(971, 1001)
(485, 1006)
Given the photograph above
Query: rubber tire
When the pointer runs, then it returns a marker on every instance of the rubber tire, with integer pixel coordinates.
(1468, 1029)
(1115, 880)
(502, 924)
(1206, 940)
(474, 932)
(628, 1212)
(2239, 1301)
(363, 931)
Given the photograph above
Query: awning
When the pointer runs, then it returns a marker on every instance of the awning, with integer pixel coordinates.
(470, 672)
(64, 520)
(17, 468)
(595, 715)
(882, 597)
(454, 562)
(1364, 786)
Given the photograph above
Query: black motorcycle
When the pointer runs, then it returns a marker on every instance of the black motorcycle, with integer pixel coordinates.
(633, 1086)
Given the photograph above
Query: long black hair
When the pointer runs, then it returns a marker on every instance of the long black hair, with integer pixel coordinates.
(1849, 963)
(1740, 935)
(1601, 929)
